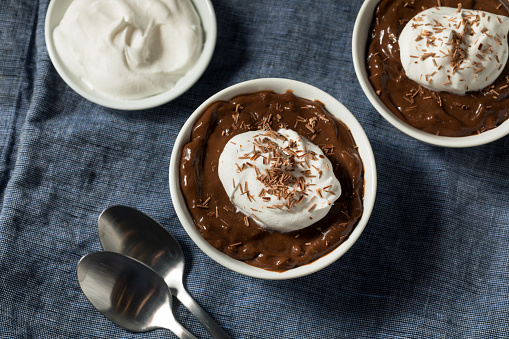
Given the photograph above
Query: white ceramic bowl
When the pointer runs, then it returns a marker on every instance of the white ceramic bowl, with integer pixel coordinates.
(361, 32)
(56, 10)
(301, 90)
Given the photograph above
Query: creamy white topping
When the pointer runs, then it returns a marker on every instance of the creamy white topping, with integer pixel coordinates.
(129, 49)
(280, 179)
(454, 50)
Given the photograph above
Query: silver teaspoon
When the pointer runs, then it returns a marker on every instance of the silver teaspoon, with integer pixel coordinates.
(128, 292)
(126, 230)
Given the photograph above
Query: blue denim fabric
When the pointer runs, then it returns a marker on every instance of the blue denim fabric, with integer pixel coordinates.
(431, 263)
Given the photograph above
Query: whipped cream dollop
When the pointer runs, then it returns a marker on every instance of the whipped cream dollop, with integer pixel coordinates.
(280, 179)
(453, 49)
(129, 49)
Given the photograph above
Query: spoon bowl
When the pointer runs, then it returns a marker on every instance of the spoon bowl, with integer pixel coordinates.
(128, 293)
(126, 230)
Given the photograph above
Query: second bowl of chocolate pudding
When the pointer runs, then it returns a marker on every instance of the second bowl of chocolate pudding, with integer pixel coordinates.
(430, 107)
(273, 178)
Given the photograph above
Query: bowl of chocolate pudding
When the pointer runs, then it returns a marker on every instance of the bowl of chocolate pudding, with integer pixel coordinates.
(128, 54)
(273, 178)
(436, 69)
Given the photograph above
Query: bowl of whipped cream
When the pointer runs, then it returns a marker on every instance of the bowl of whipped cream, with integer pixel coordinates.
(273, 178)
(128, 54)
(436, 70)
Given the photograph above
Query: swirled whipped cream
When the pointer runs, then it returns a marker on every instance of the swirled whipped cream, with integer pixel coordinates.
(129, 49)
(454, 50)
(280, 179)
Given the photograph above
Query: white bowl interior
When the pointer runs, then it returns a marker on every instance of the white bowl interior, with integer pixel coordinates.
(56, 11)
(280, 86)
(359, 44)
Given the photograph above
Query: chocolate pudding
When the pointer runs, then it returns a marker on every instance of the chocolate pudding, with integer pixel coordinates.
(241, 236)
(442, 113)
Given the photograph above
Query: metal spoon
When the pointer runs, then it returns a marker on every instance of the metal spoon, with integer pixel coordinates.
(126, 230)
(128, 292)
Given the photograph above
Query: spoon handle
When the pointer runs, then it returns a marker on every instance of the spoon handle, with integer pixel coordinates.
(178, 329)
(208, 323)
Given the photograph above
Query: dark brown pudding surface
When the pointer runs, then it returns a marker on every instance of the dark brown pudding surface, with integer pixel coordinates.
(440, 113)
(214, 214)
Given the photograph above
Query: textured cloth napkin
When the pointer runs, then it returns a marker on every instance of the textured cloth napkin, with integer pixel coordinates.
(431, 263)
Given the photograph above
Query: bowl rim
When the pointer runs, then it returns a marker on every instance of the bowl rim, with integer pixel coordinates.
(300, 89)
(205, 10)
(359, 44)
